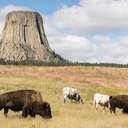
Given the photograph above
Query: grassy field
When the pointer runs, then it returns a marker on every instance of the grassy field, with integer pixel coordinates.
(50, 81)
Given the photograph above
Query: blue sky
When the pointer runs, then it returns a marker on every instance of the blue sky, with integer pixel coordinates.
(47, 7)
(81, 30)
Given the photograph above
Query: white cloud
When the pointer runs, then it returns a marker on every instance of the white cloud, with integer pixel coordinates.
(99, 49)
(7, 9)
(102, 39)
(93, 15)
(50, 29)
(112, 51)
(73, 47)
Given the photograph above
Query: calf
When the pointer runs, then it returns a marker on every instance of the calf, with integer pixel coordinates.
(71, 94)
(119, 101)
(101, 99)
(23, 100)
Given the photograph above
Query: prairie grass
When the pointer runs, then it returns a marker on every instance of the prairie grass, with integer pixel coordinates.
(50, 81)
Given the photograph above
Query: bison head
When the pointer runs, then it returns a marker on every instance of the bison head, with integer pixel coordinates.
(43, 109)
(46, 110)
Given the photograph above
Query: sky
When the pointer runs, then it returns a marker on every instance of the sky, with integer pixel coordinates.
(80, 30)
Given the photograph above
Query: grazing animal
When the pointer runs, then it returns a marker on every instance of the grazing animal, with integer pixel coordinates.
(119, 101)
(23, 100)
(101, 99)
(43, 109)
(71, 94)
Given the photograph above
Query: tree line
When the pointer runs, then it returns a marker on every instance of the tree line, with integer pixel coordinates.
(60, 63)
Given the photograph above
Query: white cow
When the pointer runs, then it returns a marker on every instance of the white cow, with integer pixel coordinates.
(101, 99)
(71, 94)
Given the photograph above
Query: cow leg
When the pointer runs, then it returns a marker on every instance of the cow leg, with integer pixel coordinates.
(104, 108)
(82, 101)
(71, 100)
(65, 98)
(112, 110)
(77, 101)
(5, 111)
(96, 105)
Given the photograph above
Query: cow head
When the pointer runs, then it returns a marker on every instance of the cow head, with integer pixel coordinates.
(79, 99)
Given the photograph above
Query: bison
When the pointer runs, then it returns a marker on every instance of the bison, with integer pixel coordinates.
(28, 101)
(119, 101)
(71, 94)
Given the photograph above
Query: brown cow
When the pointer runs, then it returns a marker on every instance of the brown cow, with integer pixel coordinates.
(119, 101)
(27, 101)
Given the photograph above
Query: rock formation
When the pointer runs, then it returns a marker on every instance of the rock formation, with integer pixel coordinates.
(24, 38)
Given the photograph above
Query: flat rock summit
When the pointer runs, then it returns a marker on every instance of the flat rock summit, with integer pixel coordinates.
(24, 39)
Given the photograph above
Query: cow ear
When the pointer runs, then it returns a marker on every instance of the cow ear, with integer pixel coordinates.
(110, 97)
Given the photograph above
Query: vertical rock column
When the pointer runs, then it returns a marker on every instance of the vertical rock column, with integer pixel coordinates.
(24, 38)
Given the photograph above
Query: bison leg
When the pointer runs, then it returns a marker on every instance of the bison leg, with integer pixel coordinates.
(5, 111)
(8, 105)
(25, 112)
(31, 113)
(125, 110)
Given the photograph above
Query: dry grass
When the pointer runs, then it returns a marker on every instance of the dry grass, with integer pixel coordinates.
(50, 81)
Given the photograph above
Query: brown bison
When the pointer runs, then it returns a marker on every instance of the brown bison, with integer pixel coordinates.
(119, 101)
(43, 109)
(28, 101)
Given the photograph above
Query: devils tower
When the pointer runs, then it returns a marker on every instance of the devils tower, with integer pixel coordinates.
(24, 38)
